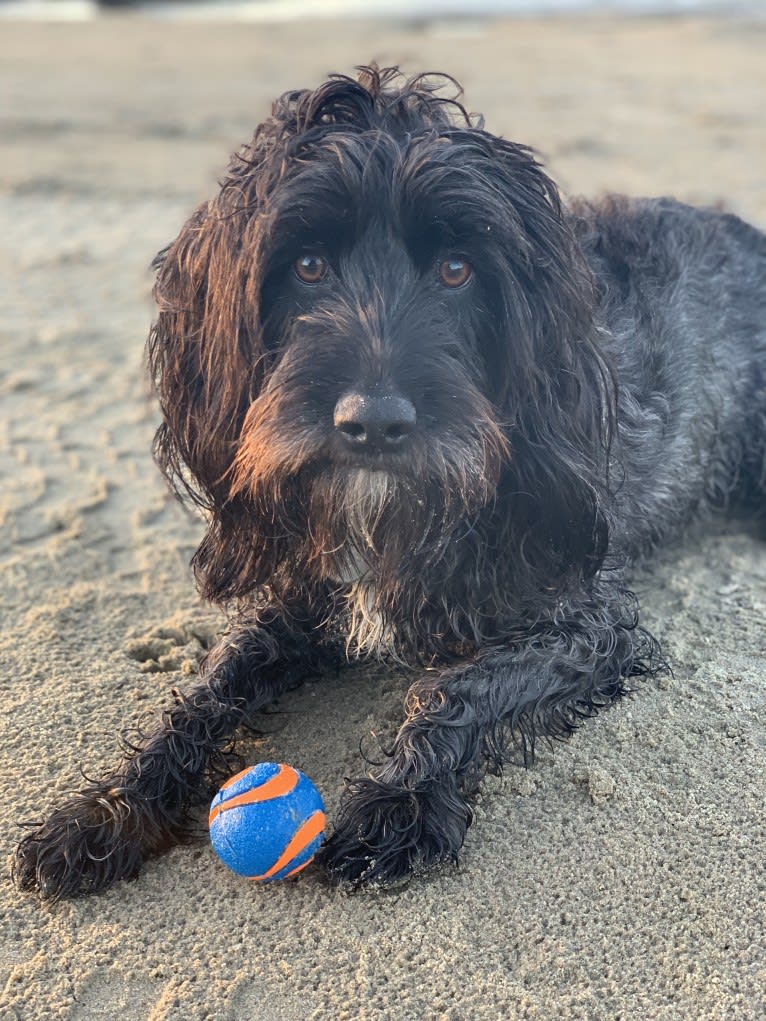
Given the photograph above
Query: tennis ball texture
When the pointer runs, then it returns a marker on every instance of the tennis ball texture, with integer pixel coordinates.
(267, 822)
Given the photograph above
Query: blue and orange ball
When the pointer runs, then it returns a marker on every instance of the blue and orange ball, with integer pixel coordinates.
(267, 822)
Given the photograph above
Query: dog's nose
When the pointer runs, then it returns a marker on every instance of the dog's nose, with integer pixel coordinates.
(375, 422)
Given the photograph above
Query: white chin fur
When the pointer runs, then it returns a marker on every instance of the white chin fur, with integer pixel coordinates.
(366, 496)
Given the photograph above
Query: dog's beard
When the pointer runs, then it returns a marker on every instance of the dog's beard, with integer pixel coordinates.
(374, 536)
(360, 511)
(394, 520)
(388, 517)
(371, 533)
(362, 516)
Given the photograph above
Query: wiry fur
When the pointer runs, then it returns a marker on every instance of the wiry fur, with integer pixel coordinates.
(599, 381)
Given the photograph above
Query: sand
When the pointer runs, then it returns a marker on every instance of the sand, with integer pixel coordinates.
(622, 877)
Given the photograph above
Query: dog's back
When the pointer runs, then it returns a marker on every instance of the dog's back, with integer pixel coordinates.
(682, 293)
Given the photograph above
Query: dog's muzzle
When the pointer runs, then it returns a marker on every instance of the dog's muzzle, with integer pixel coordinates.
(378, 423)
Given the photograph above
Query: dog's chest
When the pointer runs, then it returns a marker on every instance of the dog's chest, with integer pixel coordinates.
(366, 629)
(350, 568)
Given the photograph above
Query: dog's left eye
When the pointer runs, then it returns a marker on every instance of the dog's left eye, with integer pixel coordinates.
(310, 268)
(455, 272)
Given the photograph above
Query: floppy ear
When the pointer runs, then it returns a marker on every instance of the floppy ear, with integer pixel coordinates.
(206, 356)
(559, 388)
(205, 346)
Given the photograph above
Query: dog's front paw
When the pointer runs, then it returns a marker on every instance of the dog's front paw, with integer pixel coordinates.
(385, 834)
(84, 846)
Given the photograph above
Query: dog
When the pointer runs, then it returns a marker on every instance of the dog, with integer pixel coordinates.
(433, 414)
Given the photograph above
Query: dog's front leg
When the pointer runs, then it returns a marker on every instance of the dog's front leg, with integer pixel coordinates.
(105, 831)
(415, 811)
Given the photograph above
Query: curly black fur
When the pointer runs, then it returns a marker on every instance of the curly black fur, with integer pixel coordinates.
(596, 381)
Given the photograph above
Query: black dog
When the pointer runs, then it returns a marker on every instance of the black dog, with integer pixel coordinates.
(432, 415)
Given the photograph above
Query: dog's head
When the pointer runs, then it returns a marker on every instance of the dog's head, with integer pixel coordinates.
(378, 332)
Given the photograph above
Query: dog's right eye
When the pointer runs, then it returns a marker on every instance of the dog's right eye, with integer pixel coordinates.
(310, 268)
(455, 272)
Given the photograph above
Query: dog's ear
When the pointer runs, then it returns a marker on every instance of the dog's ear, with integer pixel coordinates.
(206, 357)
(205, 347)
(557, 388)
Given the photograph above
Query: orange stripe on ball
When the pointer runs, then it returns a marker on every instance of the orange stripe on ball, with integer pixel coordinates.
(276, 786)
(310, 829)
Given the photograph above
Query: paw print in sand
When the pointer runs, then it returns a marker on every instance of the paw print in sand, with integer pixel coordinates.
(177, 645)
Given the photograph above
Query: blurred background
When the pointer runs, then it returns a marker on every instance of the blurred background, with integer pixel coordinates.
(645, 96)
(261, 10)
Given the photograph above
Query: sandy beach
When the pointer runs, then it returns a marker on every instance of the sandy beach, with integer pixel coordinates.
(622, 876)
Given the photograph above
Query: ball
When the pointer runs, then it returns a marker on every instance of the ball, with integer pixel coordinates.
(267, 822)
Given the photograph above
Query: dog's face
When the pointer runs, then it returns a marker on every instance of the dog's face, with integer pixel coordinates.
(357, 338)
(380, 325)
